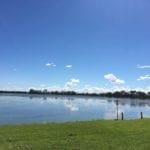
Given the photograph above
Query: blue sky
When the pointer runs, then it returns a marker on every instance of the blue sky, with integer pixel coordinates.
(74, 44)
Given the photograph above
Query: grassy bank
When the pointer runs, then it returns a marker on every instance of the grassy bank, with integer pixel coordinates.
(98, 135)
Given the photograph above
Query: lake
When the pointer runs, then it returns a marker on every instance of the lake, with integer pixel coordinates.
(18, 109)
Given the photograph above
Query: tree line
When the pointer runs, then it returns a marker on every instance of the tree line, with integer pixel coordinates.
(116, 94)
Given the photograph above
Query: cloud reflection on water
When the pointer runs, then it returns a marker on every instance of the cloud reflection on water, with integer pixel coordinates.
(38, 108)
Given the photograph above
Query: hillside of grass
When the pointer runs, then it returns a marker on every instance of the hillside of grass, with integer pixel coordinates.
(88, 135)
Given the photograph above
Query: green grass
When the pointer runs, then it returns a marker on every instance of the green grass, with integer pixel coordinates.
(91, 135)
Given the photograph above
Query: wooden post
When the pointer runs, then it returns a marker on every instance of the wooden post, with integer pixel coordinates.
(141, 115)
(117, 109)
(122, 116)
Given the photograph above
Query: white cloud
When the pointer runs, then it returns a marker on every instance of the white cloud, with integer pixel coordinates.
(112, 78)
(70, 85)
(68, 66)
(143, 67)
(75, 80)
(93, 89)
(49, 88)
(103, 89)
(54, 88)
(11, 87)
(146, 77)
(50, 65)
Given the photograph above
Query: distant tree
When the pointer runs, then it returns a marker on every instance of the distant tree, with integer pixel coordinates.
(45, 91)
(141, 94)
(32, 91)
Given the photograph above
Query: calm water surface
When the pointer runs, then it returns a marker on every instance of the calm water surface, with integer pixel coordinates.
(16, 109)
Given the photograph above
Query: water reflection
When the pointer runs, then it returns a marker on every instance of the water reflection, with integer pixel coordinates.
(37, 108)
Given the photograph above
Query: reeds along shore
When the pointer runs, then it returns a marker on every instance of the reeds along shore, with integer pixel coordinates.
(117, 94)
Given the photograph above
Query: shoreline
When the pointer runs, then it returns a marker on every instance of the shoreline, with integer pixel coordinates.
(117, 94)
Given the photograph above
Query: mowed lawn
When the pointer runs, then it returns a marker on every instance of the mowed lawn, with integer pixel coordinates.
(88, 135)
